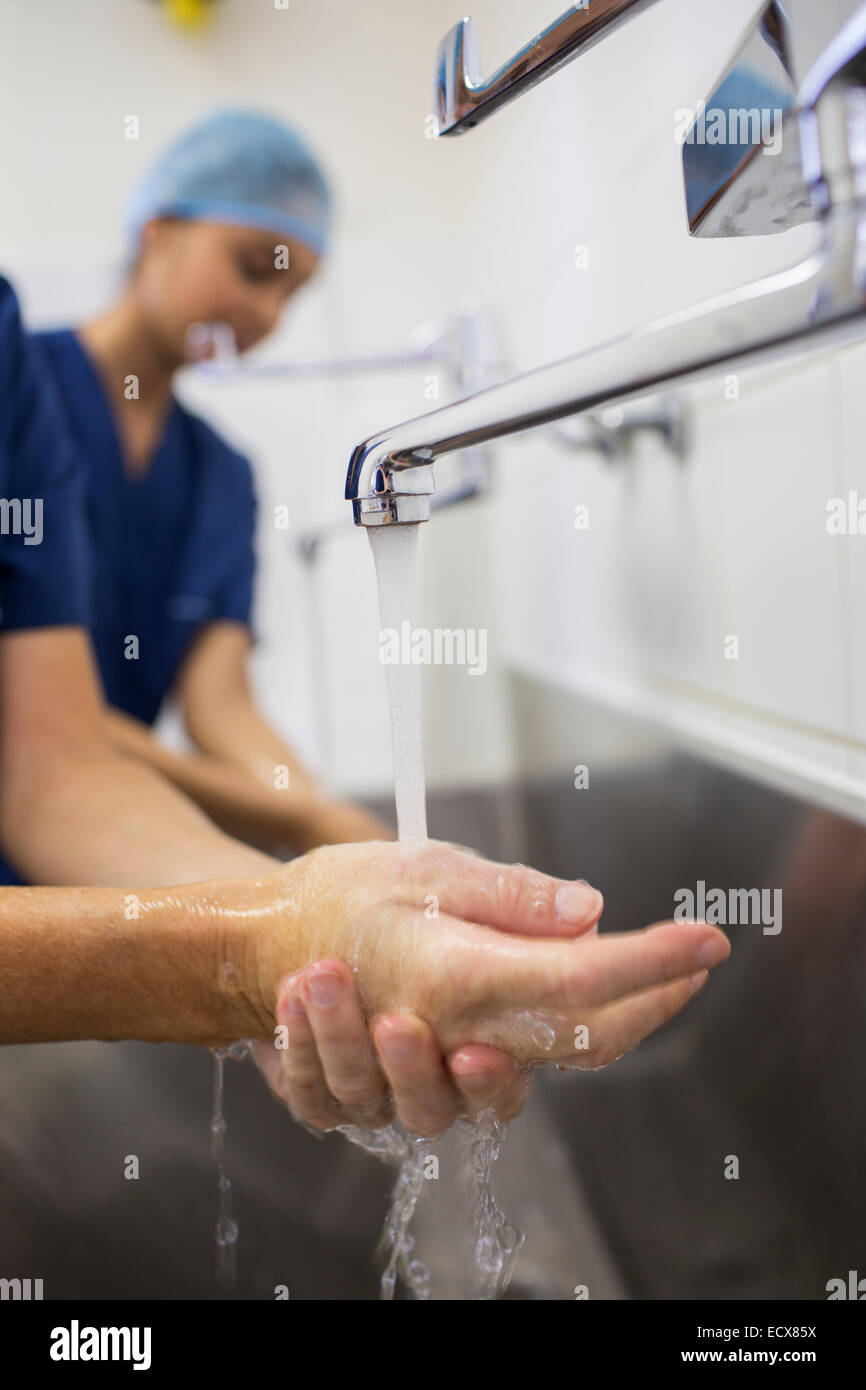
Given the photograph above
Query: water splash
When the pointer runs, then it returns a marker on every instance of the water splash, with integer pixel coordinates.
(542, 1034)
(394, 1144)
(226, 1233)
(497, 1242)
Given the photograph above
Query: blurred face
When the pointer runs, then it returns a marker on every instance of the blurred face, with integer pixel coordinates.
(202, 272)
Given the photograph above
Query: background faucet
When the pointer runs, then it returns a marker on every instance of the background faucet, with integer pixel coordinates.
(468, 347)
(390, 477)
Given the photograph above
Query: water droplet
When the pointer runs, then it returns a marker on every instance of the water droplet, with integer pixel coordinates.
(226, 1231)
(543, 1035)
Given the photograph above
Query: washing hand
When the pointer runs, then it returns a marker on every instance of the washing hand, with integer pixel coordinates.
(448, 938)
(333, 1073)
(335, 1070)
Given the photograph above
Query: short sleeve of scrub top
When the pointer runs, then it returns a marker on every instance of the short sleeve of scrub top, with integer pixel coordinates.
(44, 576)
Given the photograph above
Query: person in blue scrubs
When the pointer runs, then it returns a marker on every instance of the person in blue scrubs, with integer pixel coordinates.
(228, 225)
(76, 963)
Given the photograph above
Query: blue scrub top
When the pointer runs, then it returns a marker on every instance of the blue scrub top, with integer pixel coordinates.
(171, 550)
(44, 577)
(44, 548)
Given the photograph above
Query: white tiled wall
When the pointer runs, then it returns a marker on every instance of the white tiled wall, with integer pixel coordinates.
(678, 555)
(732, 543)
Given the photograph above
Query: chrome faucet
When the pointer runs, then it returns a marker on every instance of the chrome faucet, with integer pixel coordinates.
(820, 52)
(466, 345)
(453, 343)
(463, 98)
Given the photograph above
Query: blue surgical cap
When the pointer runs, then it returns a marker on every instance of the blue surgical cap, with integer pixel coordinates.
(243, 168)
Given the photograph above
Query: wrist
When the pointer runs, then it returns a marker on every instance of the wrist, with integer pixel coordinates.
(259, 937)
(187, 991)
(191, 960)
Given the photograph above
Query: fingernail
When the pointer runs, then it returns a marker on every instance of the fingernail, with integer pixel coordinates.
(698, 981)
(475, 1080)
(574, 902)
(714, 951)
(296, 1005)
(399, 1047)
(325, 988)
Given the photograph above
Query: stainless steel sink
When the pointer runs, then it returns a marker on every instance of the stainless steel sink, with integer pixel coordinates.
(616, 1176)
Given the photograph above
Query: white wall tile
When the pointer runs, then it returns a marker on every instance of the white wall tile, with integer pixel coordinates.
(773, 449)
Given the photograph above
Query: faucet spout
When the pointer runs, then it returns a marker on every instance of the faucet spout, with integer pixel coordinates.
(390, 476)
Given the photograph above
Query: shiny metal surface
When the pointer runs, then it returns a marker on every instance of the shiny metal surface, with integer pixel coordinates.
(466, 345)
(617, 1176)
(309, 1211)
(462, 97)
(390, 477)
(767, 1063)
(613, 431)
(221, 360)
(755, 185)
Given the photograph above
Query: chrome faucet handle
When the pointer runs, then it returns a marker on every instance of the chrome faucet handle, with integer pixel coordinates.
(744, 165)
(461, 96)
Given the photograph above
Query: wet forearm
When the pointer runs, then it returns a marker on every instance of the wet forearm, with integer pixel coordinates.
(117, 963)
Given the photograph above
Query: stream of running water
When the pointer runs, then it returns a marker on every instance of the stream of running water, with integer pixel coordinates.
(497, 1242)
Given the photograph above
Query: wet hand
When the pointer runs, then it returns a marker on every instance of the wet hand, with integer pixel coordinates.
(329, 1070)
(454, 940)
(334, 1070)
